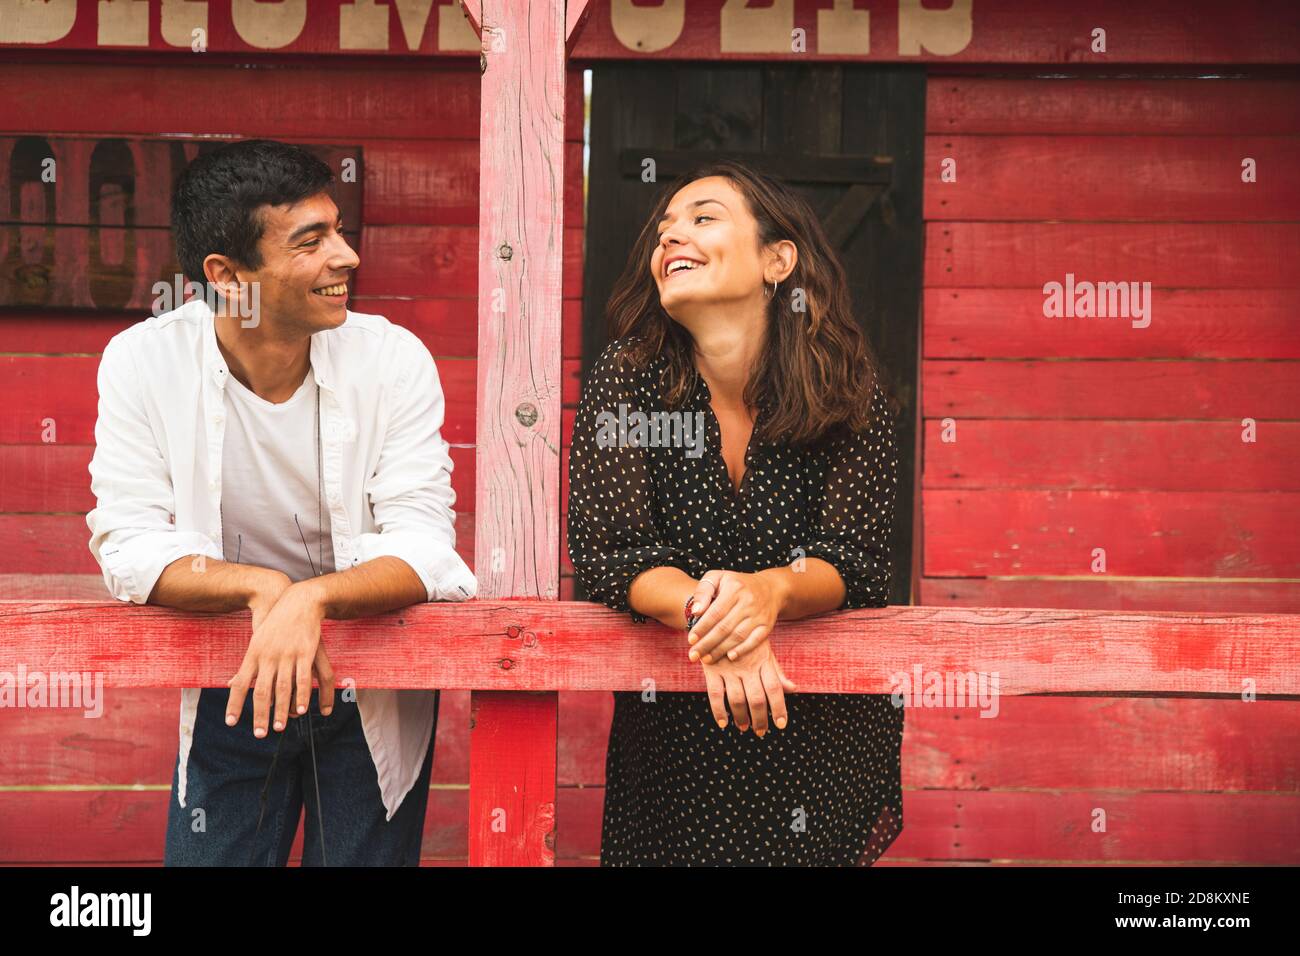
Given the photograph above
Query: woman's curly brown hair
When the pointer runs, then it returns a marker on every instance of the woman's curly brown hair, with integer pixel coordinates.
(817, 371)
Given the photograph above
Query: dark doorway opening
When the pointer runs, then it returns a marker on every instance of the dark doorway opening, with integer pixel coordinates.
(849, 137)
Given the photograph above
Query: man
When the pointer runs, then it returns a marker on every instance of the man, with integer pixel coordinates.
(282, 454)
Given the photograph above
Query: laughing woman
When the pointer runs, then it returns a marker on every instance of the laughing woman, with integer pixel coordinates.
(733, 312)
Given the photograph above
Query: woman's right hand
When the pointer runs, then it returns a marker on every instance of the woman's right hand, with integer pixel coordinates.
(754, 687)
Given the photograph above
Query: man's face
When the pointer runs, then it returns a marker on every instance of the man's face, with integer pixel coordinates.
(306, 265)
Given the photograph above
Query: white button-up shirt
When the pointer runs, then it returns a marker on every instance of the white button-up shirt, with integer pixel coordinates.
(156, 477)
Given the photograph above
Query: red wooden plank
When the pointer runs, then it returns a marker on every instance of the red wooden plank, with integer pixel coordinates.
(1105, 743)
(421, 182)
(1163, 178)
(60, 544)
(54, 332)
(948, 825)
(283, 100)
(1147, 534)
(532, 645)
(1168, 456)
(1158, 31)
(1118, 389)
(1263, 597)
(1197, 323)
(1201, 828)
(1168, 255)
(52, 587)
(45, 478)
(430, 261)
(435, 182)
(448, 326)
(445, 326)
(438, 262)
(1071, 106)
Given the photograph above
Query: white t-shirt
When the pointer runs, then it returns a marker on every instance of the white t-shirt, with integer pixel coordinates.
(273, 512)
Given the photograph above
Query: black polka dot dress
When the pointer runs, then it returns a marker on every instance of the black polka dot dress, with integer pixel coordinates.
(680, 790)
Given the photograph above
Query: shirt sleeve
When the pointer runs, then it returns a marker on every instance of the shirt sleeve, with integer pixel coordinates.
(612, 532)
(410, 491)
(857, 509)
(133, 536)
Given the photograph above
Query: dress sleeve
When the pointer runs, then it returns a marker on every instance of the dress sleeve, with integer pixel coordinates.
(612, 532)
(857, 509)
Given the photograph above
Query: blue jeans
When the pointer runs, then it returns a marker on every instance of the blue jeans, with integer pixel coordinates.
(228, 767)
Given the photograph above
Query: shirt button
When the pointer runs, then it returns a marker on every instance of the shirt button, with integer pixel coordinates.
(212, 485)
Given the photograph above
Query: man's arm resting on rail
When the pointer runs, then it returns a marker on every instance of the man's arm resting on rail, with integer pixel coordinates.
(200, 583)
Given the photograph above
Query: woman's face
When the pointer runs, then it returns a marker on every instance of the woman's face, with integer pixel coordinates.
(708, 252)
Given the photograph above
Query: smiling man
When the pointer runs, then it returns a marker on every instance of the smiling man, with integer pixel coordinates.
(289, 463)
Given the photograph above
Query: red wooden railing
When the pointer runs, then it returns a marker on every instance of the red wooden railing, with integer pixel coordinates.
(523, 651)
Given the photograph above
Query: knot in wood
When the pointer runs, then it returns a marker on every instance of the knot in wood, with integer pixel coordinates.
(527, 414)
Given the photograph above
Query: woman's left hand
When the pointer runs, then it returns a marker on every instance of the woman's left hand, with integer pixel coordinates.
(738, 619)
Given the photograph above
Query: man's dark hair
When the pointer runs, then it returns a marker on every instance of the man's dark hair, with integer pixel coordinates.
(216, 200)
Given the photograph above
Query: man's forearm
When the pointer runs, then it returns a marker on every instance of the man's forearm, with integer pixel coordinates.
(372, 587)
(200, 583)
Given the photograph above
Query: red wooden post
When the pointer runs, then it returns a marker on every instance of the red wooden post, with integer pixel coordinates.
(517, 523)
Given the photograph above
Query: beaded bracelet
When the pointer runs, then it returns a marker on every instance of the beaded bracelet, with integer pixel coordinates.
(690, 618)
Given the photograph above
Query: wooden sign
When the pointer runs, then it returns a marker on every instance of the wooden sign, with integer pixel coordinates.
(85, 222)
(242, 26)
(1102, 32)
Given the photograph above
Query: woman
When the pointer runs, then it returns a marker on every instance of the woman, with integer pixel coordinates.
(733, 313)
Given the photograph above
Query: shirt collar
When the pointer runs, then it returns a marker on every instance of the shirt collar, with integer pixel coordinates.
(214, 364)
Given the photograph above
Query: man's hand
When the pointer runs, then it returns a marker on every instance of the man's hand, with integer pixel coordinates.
(281, 656)
(738, 619)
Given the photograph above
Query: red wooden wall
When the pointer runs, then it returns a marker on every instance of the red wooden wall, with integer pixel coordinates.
(1082, 433)
(1119, 438)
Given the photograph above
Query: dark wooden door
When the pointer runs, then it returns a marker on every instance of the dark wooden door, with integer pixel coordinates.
(850, 137)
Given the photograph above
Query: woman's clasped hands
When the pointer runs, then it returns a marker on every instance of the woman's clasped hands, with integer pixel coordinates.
(735, 614)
